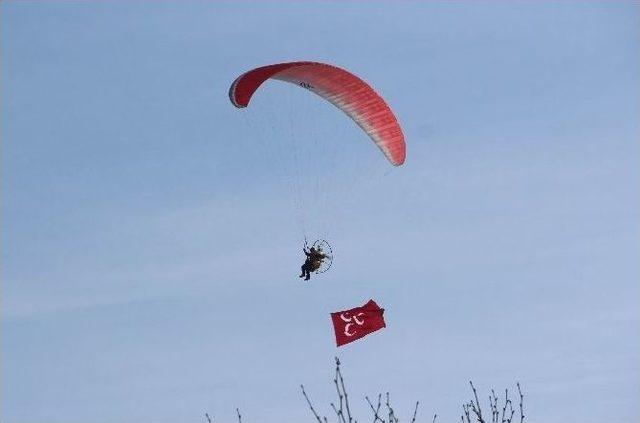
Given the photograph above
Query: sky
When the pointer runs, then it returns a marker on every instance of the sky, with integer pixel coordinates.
(152, 233)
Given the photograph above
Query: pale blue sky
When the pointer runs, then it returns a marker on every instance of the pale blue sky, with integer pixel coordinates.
(150, 245)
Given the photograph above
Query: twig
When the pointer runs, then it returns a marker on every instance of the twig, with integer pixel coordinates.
(344, 391)
(475, 407)
(392, 415)
(415, 411)
(335, 382)
(465, 408)
(512, 411)
(310, 405)
(239, 416)
(376, 416)
(506, 402)
(338, 412)
(208, 418)
(493, 403)
(521, 401)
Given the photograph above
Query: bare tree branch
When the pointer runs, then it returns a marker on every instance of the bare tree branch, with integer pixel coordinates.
(392, 414)
(465, 408)
(501, 411)
(376, 416)
(344, 391)
(310, 405)
(506, 403)
(415, 411)
(475, 407)
(512, 412)
(521, 402)
(340, 411)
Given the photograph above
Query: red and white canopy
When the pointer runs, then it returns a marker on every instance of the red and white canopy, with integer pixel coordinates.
(343, 89)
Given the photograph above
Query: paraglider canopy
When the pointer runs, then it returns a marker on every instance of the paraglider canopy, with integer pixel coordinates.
(343, 89)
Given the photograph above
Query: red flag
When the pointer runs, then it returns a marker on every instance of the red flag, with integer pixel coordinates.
(353, 324)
